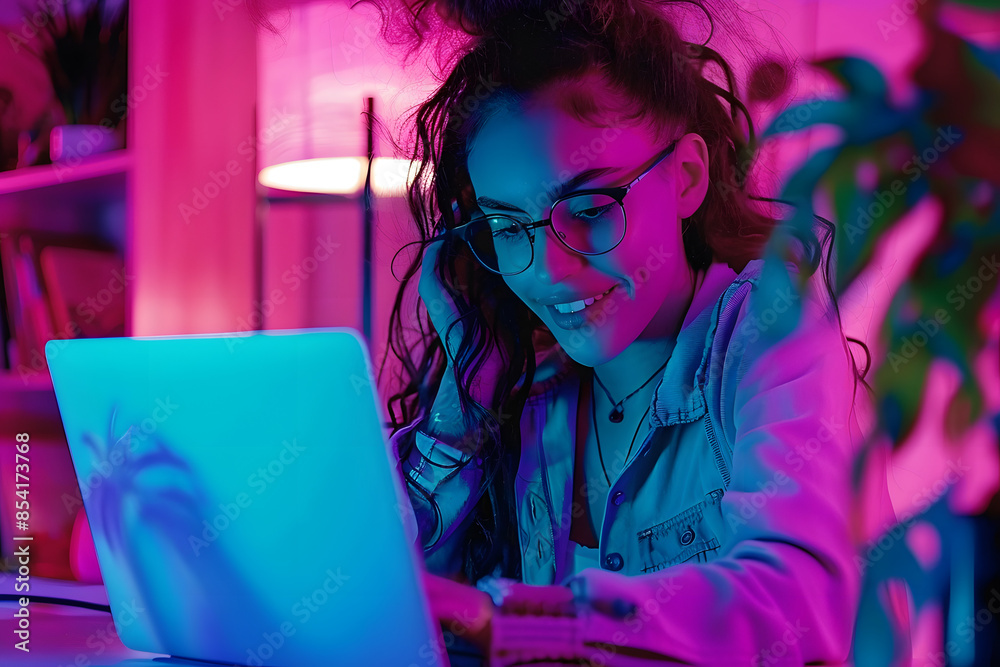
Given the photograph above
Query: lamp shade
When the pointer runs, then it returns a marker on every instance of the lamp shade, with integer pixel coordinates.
(313, 81)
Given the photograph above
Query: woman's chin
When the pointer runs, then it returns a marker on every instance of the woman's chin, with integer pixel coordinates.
(585, 350)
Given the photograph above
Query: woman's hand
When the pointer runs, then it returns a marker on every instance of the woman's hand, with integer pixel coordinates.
(468, 612)
(442, 311)
(599, 590)
(462, 609)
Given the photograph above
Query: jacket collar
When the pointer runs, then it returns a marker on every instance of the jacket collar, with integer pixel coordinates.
(678, 397)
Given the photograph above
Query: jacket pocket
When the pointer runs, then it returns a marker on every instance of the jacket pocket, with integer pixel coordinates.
(685, 537)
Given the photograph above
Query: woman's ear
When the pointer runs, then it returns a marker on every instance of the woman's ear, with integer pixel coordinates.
(691, 169)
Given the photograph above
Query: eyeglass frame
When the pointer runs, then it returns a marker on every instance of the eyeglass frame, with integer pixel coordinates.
(617, 193)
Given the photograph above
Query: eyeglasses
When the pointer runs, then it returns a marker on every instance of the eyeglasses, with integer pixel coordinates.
(588, 222)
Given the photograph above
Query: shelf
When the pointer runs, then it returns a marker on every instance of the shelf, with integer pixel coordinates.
(44, 177)
(88, 198)
(12, 381)
(27, 404)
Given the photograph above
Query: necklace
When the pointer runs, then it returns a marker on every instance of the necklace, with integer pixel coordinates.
(618, 411)
(593, 415)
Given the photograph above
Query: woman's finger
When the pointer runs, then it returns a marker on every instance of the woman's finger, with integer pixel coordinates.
(457, 604)
(528, 600)
(461, 609)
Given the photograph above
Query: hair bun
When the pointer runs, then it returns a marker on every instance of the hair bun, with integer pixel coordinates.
(480, 17)
(443, 27)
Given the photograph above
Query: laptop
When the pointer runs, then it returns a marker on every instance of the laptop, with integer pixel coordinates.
(243, 499)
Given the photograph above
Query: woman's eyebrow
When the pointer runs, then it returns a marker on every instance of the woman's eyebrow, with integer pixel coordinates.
(584, 176)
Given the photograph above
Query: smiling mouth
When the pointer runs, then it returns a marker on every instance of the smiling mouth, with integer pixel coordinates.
(576, 306)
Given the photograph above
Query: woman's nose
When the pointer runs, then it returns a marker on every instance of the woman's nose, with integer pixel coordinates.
(553, 260)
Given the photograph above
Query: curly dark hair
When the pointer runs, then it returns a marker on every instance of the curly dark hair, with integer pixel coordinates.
(514, 49)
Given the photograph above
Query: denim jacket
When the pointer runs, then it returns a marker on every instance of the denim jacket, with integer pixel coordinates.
(729, 531)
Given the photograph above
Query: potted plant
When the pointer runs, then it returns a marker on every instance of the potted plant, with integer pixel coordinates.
(85, 52)
(938, 151)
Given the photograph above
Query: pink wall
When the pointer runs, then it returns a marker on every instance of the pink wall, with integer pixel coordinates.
(191, 243)
(312, 264)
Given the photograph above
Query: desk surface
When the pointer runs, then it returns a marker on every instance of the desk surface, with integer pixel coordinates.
(66, 636)
(63, 636)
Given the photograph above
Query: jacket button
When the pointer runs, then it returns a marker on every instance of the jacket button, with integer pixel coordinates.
(613, 562)
(618, 498)
(687, 537)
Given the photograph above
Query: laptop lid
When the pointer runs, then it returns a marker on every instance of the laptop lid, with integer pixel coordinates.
(243, 500)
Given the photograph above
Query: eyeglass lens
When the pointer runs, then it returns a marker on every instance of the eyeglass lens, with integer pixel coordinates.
(587, 223)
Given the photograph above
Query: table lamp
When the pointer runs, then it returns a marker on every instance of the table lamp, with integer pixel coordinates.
(320, 82)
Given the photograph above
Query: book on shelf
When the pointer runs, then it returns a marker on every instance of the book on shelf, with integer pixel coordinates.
(12, 307)
(86, 290)
(58, 286)
(4, 324)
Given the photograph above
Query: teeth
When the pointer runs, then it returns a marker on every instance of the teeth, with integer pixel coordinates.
(575, 306)
(571, 307)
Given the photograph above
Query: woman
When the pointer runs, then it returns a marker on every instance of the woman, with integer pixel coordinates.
(610, 461)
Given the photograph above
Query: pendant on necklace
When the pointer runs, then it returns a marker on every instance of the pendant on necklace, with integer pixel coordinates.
(617, 414)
